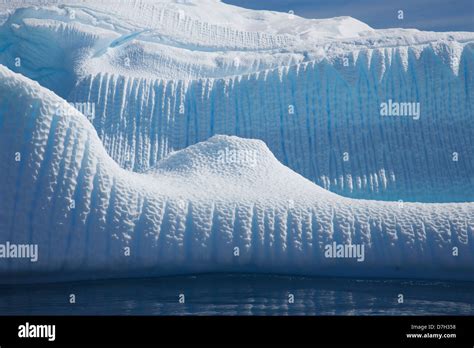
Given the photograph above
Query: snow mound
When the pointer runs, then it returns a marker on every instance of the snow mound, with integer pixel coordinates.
(127, 224)
(232, 168)
(224, 156)
(221, 155)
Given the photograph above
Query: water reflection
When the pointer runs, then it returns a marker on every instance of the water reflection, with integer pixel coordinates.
(240, 295)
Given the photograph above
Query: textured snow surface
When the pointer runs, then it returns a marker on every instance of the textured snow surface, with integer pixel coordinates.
(164, 75)
(189, 211)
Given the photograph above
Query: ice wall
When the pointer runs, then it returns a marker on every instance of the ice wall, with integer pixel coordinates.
(321, 119)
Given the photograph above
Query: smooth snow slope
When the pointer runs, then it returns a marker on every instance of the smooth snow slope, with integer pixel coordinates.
(167, 74)
(190, 212)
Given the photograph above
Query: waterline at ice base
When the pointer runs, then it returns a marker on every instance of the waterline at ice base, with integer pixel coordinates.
(216, 139)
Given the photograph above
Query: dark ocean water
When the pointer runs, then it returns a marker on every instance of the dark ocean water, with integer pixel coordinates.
(227, 294)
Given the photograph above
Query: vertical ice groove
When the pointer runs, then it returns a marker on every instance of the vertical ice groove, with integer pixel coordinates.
(17, 217)
(82, 230)
(58, 216)
(42, 192)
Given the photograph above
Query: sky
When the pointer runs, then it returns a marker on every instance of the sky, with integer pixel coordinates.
(435, 15)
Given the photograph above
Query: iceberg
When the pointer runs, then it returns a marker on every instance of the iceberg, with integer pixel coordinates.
(224, 204)
(168, 137)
